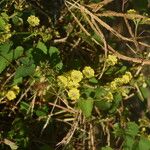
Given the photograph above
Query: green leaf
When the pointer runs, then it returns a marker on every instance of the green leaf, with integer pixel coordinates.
(24, 106)
(2, 23)
(102, 104)
(53, 50)
(7, 55)
(88, 92)
(17, 20)
(93, 80)
(145, 92)
(97, 38)
(116, 102)
(17, 81)
(42, 111)
(121, 70)
(86, 105)
(118, 131)
(132, 129)
(128, 143)
(58, 66)
(42, 47)
(144, 144)
(100, 92)
(24, 70)
(18, 52)
(4, 48)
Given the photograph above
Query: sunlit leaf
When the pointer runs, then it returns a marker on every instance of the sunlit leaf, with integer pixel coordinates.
(86, 105)
(42, 47)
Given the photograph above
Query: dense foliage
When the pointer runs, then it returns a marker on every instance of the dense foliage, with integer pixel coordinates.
(74, 74)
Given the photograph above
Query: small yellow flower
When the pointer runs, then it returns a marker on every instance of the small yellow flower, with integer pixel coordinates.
(143, 129)
(88, 72)
(16, 89)
(7, 28)
(119, 81)
(74, 94)
(76, 76)
(145, 21)
(124, 91)
(33, 21)
(131, 11)
(109, 97)
(62, 81)
(11, 95)
(5, 37)
(113, 85)
(111, 60)
(129, 74)
(72, 84)
(127, 77)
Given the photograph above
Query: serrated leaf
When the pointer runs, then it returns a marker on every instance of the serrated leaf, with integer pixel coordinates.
(42, 47)
(132, 129)
(86, 105)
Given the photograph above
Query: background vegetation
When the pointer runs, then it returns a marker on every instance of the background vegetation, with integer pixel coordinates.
(74, 75)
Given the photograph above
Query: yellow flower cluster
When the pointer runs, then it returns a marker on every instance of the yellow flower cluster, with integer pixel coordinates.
(131, 11)
(120, 81)
(76, 76)
(13, 92)
(6, 33)
(88, 72)
(109, 97)
(33, 21)
(71, 81)
(146, 21)
(111, 60)
(74, 94)
(44, 32)
(62, 81)
(124, 91)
